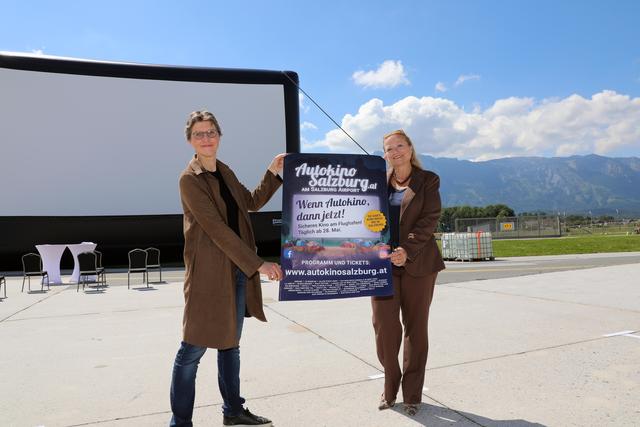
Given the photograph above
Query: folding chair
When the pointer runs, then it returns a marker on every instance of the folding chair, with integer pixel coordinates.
(137, 264)
(153, 261)
(32, 266)
(101, 271)
(88, 262)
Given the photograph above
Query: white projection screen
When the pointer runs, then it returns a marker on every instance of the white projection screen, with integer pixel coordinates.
(96, 145)
(87, 138)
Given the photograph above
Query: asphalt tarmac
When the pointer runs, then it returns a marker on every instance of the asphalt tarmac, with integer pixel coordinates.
(458, 271)
(522, 342)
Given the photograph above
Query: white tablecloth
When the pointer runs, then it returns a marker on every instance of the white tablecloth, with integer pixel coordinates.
(76, 249)
(51, 255)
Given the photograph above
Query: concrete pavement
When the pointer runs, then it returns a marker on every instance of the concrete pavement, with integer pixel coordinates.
(553, 349)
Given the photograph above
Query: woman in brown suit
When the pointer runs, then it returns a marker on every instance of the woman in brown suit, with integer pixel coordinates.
(222, 278)
(414, 210)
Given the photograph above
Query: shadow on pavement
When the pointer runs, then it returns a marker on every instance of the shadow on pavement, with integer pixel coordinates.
(438, 416)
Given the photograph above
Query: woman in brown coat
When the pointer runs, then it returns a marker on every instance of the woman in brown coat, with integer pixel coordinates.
(222, 278)
(414, 210)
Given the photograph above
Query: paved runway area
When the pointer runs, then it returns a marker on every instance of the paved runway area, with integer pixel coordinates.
(525, 266)
(556, 345)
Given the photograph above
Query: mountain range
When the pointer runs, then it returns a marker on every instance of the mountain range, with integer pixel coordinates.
(576, 184)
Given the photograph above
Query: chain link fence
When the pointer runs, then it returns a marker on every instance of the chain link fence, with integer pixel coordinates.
(512, 227)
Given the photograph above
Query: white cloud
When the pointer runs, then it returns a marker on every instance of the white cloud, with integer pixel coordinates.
(465, 78)
(37, 51)
(303, 107)
(441, 87)
(604, 124)
(307, 126)
(389, 74)
(509, 107)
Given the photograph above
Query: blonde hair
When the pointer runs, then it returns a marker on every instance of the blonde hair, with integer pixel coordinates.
(415, 161)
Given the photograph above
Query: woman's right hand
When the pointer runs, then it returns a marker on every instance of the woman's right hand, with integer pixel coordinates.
(271, 270)
(277, 164)
(399, 257)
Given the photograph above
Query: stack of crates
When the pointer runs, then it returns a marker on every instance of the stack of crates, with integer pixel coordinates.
(467, 246)
(447, 246)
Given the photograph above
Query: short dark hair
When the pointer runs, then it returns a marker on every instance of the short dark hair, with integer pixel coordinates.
(201, 116)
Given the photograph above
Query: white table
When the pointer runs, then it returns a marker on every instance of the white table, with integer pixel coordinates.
(51, 255)
(76, 249)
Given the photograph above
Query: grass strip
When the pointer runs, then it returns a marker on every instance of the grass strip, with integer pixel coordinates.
(566, 245)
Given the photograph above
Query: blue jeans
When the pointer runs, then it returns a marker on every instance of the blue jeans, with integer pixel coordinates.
(185, 367)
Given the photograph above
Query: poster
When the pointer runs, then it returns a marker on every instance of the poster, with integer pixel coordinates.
(334, 227)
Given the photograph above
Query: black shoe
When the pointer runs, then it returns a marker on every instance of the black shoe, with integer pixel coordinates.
(246, 418)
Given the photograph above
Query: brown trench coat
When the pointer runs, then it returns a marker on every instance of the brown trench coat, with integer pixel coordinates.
(212, 250)
(419, 215)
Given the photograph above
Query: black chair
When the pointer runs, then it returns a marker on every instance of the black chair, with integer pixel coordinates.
(102, 272)
(3, 280)
(32, 266)
(153, 261)
(88, 262)
(137, 264)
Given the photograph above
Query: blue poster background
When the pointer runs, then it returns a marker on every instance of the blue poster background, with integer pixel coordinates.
(334, 227)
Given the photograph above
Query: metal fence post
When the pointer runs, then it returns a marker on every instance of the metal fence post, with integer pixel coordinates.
(539, 226)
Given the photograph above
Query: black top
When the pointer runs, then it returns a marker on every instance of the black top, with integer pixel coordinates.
(395, 200)
(394, 222)
(230, 202)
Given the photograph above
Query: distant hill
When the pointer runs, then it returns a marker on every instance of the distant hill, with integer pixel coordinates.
(575, 184)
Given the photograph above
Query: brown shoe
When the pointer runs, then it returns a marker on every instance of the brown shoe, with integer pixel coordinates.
(384, 404)
(411, 408)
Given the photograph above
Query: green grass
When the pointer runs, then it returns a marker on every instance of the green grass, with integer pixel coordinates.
(615, 229)
(589, 244)
(566, 245)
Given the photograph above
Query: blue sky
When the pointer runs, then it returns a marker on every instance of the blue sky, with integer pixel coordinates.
(466, 79)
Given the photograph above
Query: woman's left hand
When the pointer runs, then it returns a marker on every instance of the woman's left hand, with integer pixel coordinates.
(399, 257)
(277, 164)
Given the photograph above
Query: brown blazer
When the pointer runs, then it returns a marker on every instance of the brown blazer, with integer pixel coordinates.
(212, 250)
(419, 215)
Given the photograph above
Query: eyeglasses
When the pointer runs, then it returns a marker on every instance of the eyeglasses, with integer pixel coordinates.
(210, 134)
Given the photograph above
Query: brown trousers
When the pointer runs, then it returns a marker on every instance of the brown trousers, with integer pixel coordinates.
(412, 297)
